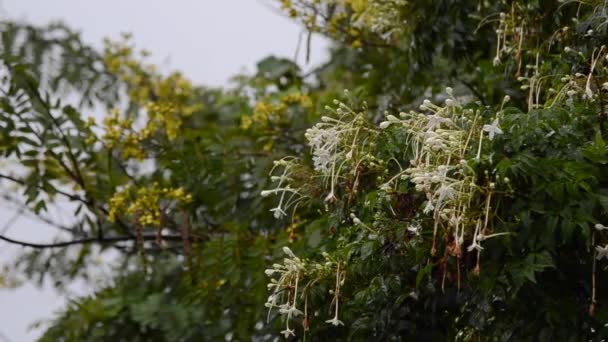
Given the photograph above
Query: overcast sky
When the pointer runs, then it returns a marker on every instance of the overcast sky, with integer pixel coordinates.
(209, 40)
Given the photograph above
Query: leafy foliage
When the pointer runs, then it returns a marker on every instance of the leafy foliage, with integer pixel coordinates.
(457, 191)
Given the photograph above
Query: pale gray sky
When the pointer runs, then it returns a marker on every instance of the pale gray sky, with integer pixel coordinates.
(208, 40)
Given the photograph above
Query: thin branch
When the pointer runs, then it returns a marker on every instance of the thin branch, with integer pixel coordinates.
(12, 220)
(72, 197)
(32, 215)
(62, 193)
(104, 240)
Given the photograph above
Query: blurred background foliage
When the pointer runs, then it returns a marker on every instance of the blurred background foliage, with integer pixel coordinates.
(169, 180)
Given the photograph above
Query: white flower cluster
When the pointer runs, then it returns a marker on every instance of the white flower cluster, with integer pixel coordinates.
(286, 289)
(382, 18)
(601, 252)
(335, 142)
(324, 143)
(440, 145)
(288, 196)
(327, 138)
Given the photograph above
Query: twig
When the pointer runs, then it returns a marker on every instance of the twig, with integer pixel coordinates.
(105, 240)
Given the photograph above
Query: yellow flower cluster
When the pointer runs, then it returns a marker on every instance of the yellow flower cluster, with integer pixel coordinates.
(114, 126)
(167, 101)
(119, 132)
(270, 111)
(348, 19)
(144, 203)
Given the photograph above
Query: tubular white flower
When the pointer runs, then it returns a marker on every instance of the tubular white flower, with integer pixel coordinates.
(600, 226)
(289, 252)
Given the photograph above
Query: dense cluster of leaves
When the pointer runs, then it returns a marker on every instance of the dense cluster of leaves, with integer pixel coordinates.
(458, 191)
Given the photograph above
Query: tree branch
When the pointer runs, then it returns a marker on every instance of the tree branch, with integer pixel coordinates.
(91, 205)
(62, 193)
(104, 240)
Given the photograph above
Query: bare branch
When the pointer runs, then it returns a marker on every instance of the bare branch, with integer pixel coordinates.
(62, 193)
(98, 240)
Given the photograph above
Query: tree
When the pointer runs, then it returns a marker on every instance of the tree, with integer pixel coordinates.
(458, 190)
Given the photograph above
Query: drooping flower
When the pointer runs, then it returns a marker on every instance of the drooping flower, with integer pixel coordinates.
(476, 239)
(602, 252)
(278, 212)
(288, 332)
(335, 321)
(291, 310)
(496, 61)
(474, 245)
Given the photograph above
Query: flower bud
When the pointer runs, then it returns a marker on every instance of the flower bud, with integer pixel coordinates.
(288, 251)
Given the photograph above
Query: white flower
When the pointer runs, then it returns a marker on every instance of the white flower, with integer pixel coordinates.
(435, 121)
(335, 321)
(314, 136)
(331, 197)
(445, 193)
(288, 332)
(322, 158)
(385, 124)
(474, 245)
(602, 252)
(272, 299)
(325, 138)
(429, 207)
(278, 212)
(588, 91)
(496, 61)
(414, 229)
(600, 226)
(492, 129)
(291, 311)
(288, 251)
(332, 137)
(385, 187)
